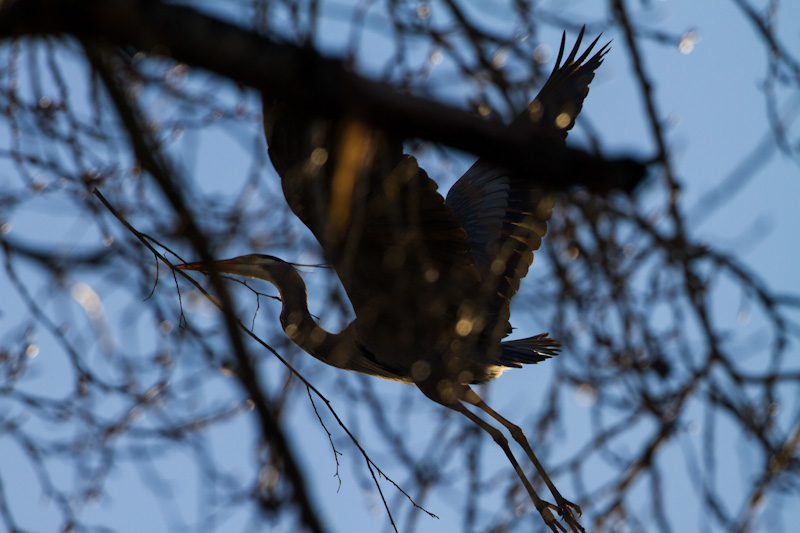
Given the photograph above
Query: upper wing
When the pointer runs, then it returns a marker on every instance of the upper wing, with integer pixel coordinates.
(560, 100)
(397, 248)
(505, 216)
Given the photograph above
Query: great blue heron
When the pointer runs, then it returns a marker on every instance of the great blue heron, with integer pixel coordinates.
(430, 280)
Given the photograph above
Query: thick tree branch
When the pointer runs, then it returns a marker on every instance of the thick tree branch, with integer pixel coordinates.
(302, 77)
(150, 158)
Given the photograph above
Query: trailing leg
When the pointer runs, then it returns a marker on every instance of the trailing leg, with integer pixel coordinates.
(453, 401)
(541, 506)
(565, 507)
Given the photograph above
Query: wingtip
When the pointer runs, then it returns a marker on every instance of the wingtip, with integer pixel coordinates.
(561, 50)
(576, 47)
(598, 56)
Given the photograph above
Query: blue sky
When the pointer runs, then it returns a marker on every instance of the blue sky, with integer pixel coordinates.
(712, 100)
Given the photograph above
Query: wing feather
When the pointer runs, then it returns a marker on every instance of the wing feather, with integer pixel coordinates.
(401, 255)
(504, 215)
(417, 268)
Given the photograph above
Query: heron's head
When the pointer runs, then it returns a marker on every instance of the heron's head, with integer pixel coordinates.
(252, 266)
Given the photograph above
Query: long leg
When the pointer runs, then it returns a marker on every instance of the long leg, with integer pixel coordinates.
(541, 506)
(432, 390)
(565, 507)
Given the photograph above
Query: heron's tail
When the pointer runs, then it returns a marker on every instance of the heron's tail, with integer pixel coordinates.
(527, 351)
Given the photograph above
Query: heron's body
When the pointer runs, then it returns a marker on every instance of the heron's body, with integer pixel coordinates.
(374, 356)
(430, 279)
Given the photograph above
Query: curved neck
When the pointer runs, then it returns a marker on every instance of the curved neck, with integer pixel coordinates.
(296, 320)
(341, 350)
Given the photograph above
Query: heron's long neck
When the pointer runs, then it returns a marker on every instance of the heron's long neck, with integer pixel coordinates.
(296, 320)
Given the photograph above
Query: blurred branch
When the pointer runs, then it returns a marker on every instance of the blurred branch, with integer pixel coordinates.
(371, 465)
(646, 86)
(303, 78)
(151, 159)
(764, 27)
(674, 346)
(778, 464)
(56, 260)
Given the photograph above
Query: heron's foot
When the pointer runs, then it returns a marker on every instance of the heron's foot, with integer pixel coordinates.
(568, 510)
(548, 517)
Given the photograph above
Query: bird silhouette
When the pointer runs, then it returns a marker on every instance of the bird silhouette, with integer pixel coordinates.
(430, 280)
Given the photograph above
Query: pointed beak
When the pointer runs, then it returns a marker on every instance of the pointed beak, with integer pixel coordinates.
(221, 266)
(190, 266)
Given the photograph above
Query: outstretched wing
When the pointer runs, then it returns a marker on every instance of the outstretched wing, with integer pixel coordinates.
(397, 248)
(504, 215)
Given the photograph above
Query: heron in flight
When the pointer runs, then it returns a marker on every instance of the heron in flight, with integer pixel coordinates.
(430, 280)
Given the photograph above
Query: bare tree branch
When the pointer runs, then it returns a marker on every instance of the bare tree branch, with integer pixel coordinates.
(152, 160)
(303, 78)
